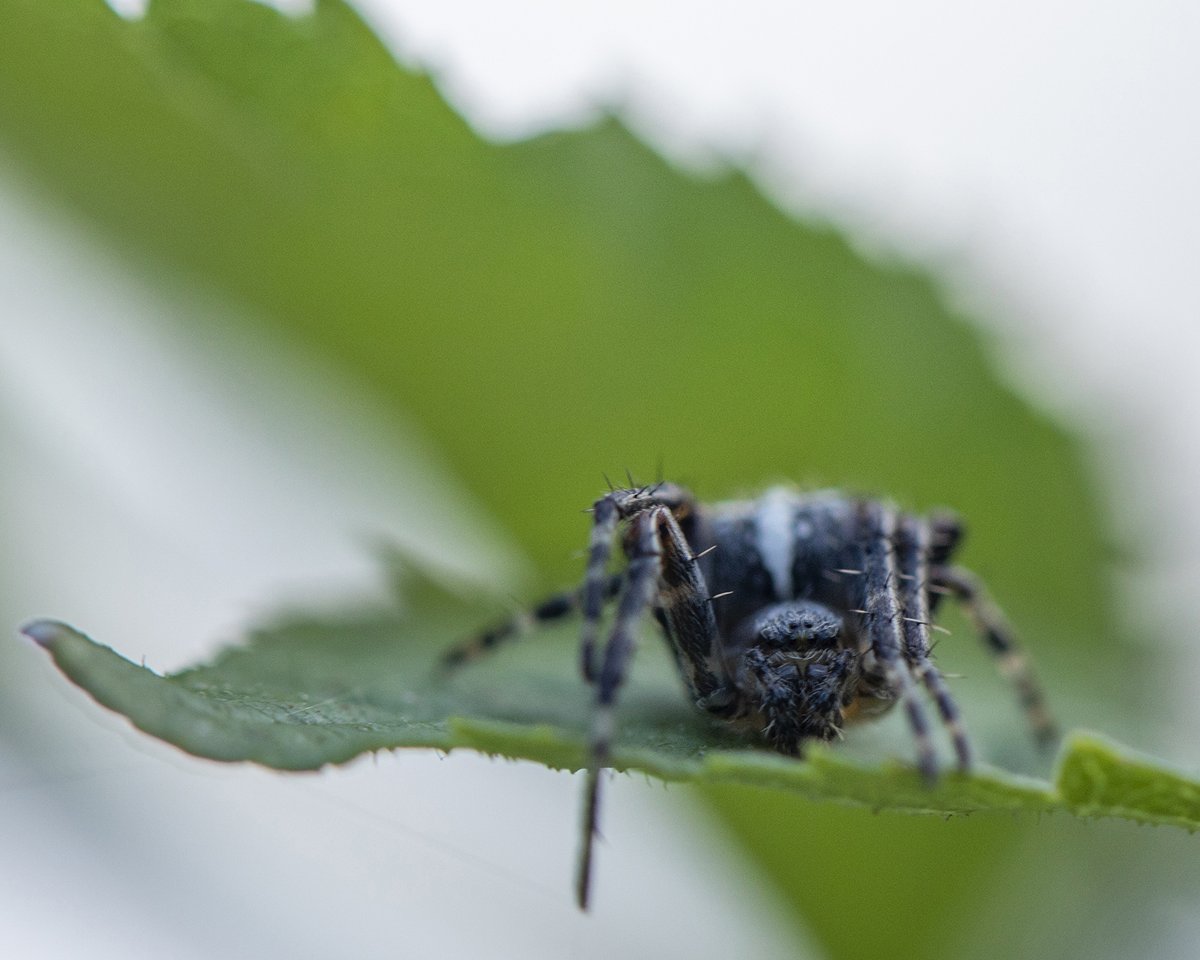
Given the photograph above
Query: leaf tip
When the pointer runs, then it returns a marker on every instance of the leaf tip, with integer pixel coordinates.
(46, 632)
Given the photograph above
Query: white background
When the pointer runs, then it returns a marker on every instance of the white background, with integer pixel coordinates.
(1042, 156)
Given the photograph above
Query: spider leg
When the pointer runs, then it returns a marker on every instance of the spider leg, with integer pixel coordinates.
(645, 564)
(553, 608)
(877, 525)
(965, 587)
(945, 534)
(914, 541)
(605, 515)
(687, 615)
(607, 512)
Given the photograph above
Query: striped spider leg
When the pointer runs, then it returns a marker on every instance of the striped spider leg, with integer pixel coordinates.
(663, 574)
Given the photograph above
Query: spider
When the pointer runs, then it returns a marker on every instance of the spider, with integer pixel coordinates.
(790, 615)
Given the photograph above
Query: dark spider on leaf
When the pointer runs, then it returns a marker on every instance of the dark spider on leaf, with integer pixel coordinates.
(790, 615)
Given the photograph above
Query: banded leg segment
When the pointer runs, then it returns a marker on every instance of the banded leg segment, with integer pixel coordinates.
(607, 512)
(553, 608)
(687, 612)
(914, 542)
(605, 515)
(641, 584)
(881, 608)
(945, 535)
(965, 587)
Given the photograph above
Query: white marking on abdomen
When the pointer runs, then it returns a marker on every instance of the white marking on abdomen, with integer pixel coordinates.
(774, 522)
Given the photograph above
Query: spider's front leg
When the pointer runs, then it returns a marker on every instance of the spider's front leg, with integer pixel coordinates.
(659, 555)
(645, 562)
(880, 609)
(607, 512)
(914, 543)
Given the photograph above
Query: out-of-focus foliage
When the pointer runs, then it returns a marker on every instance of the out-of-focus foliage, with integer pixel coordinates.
(548, 310)
(553, 309)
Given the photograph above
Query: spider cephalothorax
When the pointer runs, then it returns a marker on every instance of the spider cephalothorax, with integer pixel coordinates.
(787, 615)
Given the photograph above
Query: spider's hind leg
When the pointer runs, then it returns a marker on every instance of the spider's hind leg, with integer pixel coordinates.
(965, 587)
(553, 608)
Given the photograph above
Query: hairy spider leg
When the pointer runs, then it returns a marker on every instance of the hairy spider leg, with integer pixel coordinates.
(965, 587)
(882, 620)
(554, 607)
(945, 534)
(641, 582)
(687, 615)
(913, 542)
(606, 513)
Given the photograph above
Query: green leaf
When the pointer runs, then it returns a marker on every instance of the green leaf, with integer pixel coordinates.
(309, 694)
(1099, 778)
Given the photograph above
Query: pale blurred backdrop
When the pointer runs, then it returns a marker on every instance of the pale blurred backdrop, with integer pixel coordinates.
(1041, 157)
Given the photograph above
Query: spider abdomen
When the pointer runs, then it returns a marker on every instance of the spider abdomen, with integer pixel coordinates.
(785, 545)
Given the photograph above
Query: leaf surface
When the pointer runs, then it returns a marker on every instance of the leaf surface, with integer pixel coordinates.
(309, 694)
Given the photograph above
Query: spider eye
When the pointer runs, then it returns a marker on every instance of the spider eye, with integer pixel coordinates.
(801, 625)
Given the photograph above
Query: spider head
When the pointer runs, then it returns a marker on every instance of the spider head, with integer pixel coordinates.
(800, 625)
(798, 695)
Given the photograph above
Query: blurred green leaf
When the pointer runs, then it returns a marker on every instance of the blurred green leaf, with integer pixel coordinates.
(547, 310)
